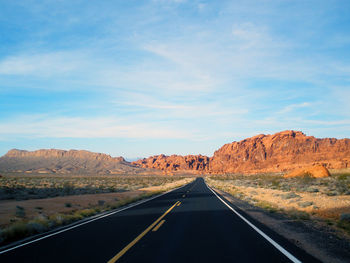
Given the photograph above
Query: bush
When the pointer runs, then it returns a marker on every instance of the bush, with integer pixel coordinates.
(297, 214)
(267, 206)
(20, 211)
(15, 231)
(290, 195)
(86, 212)
(344, 222)
(35, 227)
(305, 204)
(101, 202)
(312, 190)
(345, 217)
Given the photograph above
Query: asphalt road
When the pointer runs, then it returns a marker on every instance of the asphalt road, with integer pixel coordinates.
(189, 224)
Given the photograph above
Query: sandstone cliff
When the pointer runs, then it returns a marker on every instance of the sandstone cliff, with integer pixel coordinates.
(282, 151)
(60, 161)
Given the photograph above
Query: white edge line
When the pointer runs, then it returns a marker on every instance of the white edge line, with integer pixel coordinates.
(89, 221)
(274, 243)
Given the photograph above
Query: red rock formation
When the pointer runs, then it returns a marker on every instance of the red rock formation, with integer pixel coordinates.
(317, 171)
(175, 162)
(282, 151)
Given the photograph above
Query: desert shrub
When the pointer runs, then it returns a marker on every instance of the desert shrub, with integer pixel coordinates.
(267, 206)
(285, 187)
(345, 217)
(275, 184)
(305, 204)
(68, 204)
(35, 227)
(289, 195)
(101, 202)
(20, 212)
(311, 190)
(297, 214)
(344, 222)
(16, 231)
(56, 220)
(87, 212)
(342, 177)
(331, 193)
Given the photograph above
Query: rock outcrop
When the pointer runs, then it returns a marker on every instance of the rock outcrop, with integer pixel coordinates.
(317, 171)
(283, 151)
(66, 162)
(198, 163)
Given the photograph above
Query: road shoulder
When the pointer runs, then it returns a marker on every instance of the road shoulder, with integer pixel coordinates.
(319, 241)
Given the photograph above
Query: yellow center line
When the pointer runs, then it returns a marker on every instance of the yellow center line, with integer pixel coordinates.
(158, 226)
(125, 249)
(179, 204)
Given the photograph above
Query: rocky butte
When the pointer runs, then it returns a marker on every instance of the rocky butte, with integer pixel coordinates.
(282, 151)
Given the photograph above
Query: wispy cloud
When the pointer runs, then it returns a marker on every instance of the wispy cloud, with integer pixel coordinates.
(42, 64)
(100, 127)
(193, 70)
(293, 107)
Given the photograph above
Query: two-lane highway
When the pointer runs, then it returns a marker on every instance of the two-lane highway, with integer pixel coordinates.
(190, 224)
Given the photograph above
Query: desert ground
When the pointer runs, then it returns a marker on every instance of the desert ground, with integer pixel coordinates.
(305, 197)
(32, 204)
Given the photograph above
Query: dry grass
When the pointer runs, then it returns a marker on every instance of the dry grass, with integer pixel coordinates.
(302, 198)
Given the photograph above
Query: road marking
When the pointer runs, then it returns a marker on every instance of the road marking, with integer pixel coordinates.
(179, 204)
(132, 243)
(94, 218)
(158, 226)
(274, 243)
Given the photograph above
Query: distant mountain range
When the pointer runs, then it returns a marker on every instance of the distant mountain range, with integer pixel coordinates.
(67, 162)
(282, 151)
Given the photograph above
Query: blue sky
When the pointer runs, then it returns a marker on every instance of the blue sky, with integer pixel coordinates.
(138, 78)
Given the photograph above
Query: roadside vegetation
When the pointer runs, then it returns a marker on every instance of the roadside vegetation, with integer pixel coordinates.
(32, 205)
(37, 187)
(325, 200)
